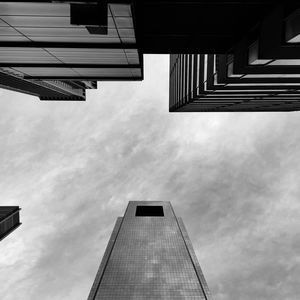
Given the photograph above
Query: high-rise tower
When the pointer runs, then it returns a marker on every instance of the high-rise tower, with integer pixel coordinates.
(149, 256)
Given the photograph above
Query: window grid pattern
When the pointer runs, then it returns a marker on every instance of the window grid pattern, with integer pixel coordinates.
(149, 260)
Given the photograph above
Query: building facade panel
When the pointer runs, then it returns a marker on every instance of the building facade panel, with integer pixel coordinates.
(214, 86)
(50, 24)
(106, 40)
(75, 41)
(150, 259)
(9, 220)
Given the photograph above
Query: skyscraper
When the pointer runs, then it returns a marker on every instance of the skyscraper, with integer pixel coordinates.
(9, 220)
(149, 256)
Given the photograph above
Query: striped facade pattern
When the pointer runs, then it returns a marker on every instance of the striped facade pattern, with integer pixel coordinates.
(204, 83)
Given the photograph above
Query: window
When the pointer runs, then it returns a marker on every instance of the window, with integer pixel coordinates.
(149, 211)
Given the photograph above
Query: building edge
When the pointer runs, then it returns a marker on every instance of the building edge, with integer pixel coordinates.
(194, 259)
(105, 259)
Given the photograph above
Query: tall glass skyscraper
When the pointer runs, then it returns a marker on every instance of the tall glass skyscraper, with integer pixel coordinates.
(149, 256)
(57, 50)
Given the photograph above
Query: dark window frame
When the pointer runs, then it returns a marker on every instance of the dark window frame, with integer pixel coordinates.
(149, 211)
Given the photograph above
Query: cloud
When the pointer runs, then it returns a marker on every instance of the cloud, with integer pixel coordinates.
(73, 167)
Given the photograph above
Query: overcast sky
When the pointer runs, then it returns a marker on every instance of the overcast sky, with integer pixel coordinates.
(73, 166)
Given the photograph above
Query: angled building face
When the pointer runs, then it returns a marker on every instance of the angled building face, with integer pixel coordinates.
(246, 54)
(259, 73)
(9, 220)
(149, 256)
(67, 90)
(223, 83)
(57, 49)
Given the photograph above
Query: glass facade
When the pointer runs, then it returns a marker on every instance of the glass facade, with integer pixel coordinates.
(149, 257)
(38, 41)
(42, 53)
(38, 21)
(101, 40)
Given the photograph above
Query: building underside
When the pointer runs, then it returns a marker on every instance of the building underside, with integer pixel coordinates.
(9, 220)
(57, 49)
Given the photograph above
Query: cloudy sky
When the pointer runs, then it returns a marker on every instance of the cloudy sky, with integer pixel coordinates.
(73, 167)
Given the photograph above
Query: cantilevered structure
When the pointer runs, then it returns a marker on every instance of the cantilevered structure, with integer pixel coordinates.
(259, 73)
(9, 220)
(208, 83)
(149, 256)
(57, 50)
